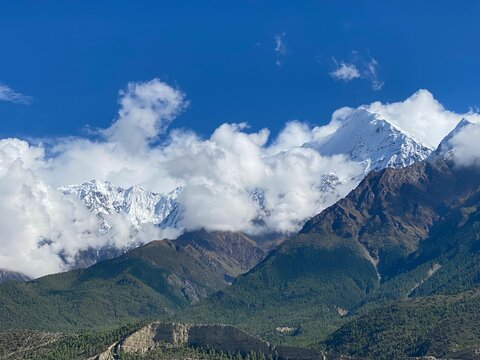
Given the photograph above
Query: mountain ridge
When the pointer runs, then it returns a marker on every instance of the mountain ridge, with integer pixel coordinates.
(401, 233)
(363, 137)
(367, 138)
(135, 204)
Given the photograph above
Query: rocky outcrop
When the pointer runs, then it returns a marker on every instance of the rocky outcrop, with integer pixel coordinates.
(226, 253)
(222, 338)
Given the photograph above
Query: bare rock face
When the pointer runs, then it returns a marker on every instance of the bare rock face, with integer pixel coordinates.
(222, 338)
(107, 355)
(219, 337)
(140, 341)
(391, 212)
(225, 252)
(225, 338)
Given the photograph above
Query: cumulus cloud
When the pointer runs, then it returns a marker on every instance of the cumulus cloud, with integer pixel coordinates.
(226, 169)
(422, 116)
(42, 230)
(8, 94)
(146, 110)
(235, 179)
(357, 67)
(37, 222)
(281, 49)
(466, 151)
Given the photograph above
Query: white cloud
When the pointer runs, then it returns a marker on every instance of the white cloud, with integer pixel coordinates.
(280, 45)
(219, 173)
(422, 116)
(42, 230)
(8, 94)
(146, 110)
(466, 150)
(226, 169)
(280, 48)
(358, 67)
(371, 74)
(345, 72)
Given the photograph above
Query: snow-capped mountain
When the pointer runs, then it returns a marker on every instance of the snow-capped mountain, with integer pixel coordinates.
(367, 138)
(445, 148)
(136, 205)
(363, 137)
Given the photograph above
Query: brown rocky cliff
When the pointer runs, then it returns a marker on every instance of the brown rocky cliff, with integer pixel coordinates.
(222, 338)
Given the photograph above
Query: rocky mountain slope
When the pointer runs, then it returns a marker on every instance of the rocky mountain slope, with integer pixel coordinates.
(391, 212)
(401, 233)
(226, 253)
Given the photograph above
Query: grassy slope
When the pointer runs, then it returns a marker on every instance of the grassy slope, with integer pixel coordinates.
(138, 285)
(300, 285)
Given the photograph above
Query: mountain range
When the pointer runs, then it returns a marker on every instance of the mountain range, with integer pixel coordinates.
(402, 233)
(135, 205)
(363, 137)
(390, 271)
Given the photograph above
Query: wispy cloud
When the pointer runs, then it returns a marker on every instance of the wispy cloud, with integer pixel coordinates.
(357, 67)
(371, 74)
(345, 72)
(281, 49)
(10, 95)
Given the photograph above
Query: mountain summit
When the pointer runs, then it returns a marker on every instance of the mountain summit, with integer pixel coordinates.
(135, 204)
(367, 138)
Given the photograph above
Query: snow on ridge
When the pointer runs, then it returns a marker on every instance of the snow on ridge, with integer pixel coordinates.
(363, 137)
(137, 205)
(367, 138)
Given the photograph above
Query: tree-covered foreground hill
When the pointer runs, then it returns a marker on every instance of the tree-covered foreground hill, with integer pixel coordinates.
(149, 282)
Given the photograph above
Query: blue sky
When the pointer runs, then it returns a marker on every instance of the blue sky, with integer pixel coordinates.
(264, 62)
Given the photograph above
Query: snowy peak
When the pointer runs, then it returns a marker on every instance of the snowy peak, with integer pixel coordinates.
(367, 138)
(135, 204)
(363, 137)
(445, 147)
